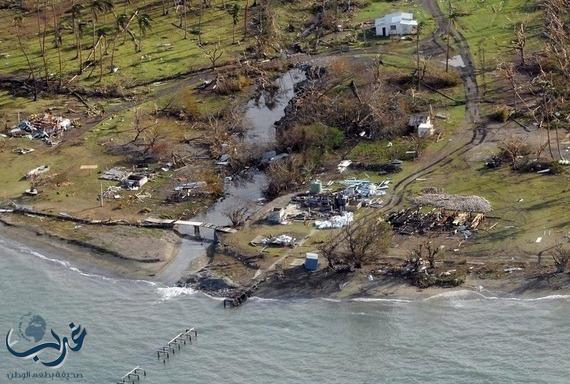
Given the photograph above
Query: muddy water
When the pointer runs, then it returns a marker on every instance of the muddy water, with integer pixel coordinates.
(262, 113)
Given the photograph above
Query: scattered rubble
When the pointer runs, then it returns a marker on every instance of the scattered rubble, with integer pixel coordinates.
(413, 221)
(336, 221)
(131, 180)
(275, 241)
(23, 151)
(185, 191)
(112, 193)
(37, 171)
(454, 202)
(46, 127)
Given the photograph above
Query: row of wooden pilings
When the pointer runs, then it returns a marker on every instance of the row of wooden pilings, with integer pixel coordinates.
(176, 343)
(136, 374)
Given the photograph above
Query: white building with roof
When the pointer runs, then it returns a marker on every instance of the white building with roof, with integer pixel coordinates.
(397, 23)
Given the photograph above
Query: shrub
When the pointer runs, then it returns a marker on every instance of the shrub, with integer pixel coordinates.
(501, 113)
(230, 85)
(314, 136)
(184, 106)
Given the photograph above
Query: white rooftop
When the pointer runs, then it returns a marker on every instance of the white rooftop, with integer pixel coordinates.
(397, 17)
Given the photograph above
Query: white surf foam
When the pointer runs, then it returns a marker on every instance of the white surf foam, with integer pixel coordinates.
(473, 295)
(377, 300)
(67, 265)
(167, 293)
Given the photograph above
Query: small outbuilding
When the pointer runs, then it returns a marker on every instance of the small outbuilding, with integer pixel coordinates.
(422, 125)
(397, 23)
(134, 182)
(276, 216)
(311, 262)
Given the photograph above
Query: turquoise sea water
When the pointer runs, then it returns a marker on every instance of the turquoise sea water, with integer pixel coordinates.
(460, 337)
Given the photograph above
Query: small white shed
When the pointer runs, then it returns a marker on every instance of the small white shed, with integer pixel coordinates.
(422, 125)
(397, 23)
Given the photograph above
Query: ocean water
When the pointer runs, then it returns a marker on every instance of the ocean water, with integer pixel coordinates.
(460, 337)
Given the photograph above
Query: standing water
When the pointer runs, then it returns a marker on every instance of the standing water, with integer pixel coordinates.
(262, 114)
(461, 337)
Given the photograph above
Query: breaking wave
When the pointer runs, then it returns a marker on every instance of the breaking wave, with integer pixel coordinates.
(167, 293)
(465, 294)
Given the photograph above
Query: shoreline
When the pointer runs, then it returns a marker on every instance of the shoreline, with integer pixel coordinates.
(82, 255)
(356, 287)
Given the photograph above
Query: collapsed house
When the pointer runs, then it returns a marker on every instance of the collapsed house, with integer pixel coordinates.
(412, 221)
(131, 180)
(452, 214)
(188, 190)
(330, 209)
(45, 127)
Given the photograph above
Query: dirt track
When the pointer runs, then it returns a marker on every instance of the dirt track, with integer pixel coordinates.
(470, 137)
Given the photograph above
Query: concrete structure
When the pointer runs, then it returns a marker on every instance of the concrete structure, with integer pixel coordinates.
(276, 216)
(422, 125)
(134, 182)
(397, 23)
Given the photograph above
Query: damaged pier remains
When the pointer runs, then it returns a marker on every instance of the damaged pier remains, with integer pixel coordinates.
(133, 376)
(239, 297)
(176, 344)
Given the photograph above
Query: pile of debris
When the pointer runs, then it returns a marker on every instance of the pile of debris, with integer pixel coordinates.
(336, 221)
(454, 202)
(185, 191)
(34, 173)
(112, 193)
(131, 180)
(274, 241)
(413, 221)
(357, 193)
(46, 127)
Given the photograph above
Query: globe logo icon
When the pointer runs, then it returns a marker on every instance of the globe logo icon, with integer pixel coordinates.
(32, 327)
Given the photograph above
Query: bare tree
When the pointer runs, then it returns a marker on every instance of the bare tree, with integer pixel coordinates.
(519, 44)
(18, 28)
(561, 257)
(362, 242)
(426, 251)
(140, 126)
(238, 215)
(213, 54)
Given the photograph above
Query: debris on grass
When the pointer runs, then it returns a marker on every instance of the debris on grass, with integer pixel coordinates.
(454, 202)
(335, 221)
(274, 241)
(23, 151)
(46, 127)
(413, 221)
(37, 171)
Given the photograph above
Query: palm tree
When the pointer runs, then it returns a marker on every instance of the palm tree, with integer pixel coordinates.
(97, 7)
(145, 23)
(120, 25)
(452, 20)
(18, 27)
(75, 20)
(234, 13)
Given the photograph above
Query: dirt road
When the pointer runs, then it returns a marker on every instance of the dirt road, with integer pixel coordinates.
(472, 132)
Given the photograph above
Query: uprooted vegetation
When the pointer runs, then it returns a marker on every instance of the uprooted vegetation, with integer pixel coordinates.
(360, 243)
(538, 92)
(336, 99)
